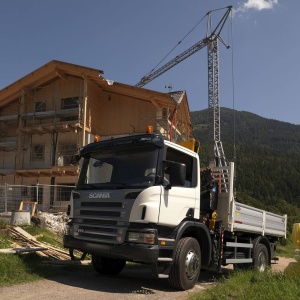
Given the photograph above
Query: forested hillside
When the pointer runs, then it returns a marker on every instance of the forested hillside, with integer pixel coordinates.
(267, 156)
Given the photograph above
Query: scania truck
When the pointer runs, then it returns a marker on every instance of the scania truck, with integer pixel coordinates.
(144, 199)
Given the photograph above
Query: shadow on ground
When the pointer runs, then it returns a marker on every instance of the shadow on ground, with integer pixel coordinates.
(134, 279)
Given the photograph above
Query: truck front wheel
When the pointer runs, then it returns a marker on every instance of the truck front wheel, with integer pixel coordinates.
(186, 266)
(261, 258)
(107, 266)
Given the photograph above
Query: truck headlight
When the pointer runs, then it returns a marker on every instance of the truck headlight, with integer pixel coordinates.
(144, 237)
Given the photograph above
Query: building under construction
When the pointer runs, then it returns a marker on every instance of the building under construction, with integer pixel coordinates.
(47, 115)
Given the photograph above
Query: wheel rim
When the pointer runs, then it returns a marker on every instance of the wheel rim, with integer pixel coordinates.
(192, 264)
(262, 262)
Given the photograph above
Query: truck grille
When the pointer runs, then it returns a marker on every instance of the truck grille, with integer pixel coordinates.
(101, 220)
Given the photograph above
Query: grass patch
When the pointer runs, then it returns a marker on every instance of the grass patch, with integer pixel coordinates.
(16, 269)
(27, 267)
(5, 242)
(249, 285)
(3, 224)
(287, 250)
(22, 268)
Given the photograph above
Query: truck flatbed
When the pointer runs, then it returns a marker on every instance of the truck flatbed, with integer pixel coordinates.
(241, 217)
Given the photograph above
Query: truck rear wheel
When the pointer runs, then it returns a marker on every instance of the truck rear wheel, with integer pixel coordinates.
(107, 266)
(186, 266)
(261, 258)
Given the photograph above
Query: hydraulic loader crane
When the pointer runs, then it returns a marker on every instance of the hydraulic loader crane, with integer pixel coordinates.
(211, 41)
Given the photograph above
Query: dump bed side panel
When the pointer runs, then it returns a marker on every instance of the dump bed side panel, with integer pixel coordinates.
(247, 218)
(275, 224)
(250, 219)
(241, 217)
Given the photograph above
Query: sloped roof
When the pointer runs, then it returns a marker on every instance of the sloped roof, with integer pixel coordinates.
(57, 69)
(42, 76)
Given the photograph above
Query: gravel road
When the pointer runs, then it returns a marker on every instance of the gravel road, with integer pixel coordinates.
(134, 282)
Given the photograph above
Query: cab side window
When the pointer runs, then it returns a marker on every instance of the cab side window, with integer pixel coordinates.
(189, 161)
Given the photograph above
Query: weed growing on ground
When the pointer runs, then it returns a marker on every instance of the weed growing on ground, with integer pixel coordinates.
(249, 285)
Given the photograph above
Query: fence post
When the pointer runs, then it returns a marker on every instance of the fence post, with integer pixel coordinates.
(37, 193)
(37, 198)
(5, 198)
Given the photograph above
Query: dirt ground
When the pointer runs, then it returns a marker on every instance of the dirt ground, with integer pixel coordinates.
(133, 283)
(282, 264)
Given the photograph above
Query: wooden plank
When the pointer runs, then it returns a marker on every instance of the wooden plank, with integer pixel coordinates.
(29, 241)
(23, 232)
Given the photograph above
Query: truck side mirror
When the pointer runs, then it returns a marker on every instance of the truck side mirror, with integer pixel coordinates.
(177, 174)
(75, 160)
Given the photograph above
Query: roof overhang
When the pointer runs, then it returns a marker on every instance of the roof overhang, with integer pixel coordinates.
(42, 76)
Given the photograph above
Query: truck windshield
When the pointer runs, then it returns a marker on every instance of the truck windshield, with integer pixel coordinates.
(119, 168)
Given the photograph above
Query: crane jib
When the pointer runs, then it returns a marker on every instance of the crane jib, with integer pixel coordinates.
(187, 53)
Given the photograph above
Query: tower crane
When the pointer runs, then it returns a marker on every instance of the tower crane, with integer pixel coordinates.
(211, 41)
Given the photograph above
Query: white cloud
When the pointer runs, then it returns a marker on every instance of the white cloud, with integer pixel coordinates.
(256, 5)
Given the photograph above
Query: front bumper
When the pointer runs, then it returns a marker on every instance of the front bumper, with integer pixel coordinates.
(127, 251)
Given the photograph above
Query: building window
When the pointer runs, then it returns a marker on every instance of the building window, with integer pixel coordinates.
(65, 153)
(39, 106)
(64, 192)
(70, 104)
(38, 152)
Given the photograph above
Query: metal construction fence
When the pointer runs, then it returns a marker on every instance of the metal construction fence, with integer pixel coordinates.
(48, 198)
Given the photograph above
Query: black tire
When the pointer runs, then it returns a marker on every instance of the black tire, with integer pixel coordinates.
(186, 266)
(107, 266)
(261, 259)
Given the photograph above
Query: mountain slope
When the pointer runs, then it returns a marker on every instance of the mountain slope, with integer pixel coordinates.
(267, 154)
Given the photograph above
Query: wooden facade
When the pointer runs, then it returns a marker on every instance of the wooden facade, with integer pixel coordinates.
(47, 115)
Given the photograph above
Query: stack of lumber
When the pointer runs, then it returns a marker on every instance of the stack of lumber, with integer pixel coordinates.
(29, 243)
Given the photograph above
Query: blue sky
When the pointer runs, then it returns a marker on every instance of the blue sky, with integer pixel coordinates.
(127, 39)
